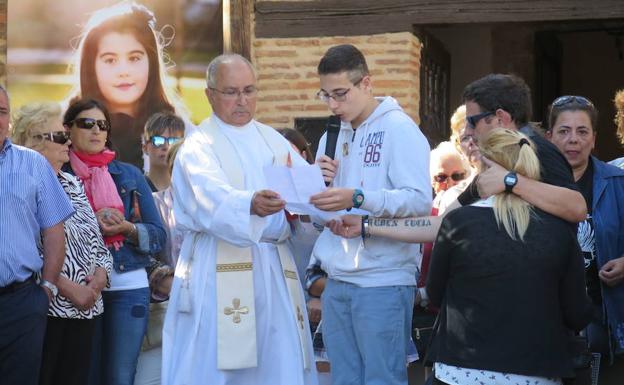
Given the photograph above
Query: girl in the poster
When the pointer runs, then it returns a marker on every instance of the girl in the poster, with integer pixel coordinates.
(119, 61)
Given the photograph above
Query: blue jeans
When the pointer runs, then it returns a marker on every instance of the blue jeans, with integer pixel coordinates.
(118, 336)
(366, 331)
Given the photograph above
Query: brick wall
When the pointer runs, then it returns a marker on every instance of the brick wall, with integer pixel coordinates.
(288, 80)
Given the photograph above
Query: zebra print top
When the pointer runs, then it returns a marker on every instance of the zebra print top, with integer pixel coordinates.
(84, 250)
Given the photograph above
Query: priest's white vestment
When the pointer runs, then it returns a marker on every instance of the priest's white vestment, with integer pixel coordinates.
(208, 209)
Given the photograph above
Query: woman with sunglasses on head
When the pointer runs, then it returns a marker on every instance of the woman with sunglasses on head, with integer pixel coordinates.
(87, 265)
(119, 61)
(133, 231)
(571, 127)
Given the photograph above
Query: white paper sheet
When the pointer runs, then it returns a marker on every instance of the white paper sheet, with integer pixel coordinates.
(296, 185)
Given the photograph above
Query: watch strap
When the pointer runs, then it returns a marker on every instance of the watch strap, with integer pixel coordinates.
(509, 186)
(357, 198)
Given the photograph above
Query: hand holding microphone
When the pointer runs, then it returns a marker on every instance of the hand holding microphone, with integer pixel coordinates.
(326, 162)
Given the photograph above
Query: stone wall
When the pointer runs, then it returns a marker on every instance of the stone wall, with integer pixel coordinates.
(288, 81)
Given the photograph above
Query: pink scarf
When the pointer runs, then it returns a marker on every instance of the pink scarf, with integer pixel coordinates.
(99, 185)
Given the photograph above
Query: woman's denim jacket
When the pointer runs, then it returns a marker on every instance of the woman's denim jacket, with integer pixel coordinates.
(152, 237)
(608, 219)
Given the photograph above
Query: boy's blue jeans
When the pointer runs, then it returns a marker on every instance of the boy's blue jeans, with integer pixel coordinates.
(366, 331)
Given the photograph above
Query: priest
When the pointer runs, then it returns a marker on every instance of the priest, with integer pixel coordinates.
(237, 313)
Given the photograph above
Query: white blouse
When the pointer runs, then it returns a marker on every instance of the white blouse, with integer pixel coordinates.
(454, 375)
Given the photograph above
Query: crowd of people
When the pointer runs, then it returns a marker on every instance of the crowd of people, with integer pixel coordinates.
(140, 249)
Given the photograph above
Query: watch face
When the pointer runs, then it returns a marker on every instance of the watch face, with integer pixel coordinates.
(359, 198)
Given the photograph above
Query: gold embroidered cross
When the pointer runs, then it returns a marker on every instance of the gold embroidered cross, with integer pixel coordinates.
(236, 310)
(300, 317)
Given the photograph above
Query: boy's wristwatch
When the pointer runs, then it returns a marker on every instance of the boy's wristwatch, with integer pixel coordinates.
(357, 198)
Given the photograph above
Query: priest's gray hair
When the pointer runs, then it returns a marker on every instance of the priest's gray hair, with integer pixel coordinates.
(213, 67)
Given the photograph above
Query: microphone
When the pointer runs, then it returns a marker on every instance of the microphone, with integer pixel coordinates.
(332, 129)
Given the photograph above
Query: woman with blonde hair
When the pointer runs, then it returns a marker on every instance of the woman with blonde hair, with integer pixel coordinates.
(618, 101)
(508, 279)
(88, 263)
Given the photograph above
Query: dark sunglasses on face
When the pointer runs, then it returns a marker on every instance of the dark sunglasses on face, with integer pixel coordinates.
(59, 137)
(456, 176)
(158, 140)
(473, 120)
(89, 123)
(567, 99)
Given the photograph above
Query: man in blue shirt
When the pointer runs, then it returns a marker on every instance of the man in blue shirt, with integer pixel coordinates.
(33, 207)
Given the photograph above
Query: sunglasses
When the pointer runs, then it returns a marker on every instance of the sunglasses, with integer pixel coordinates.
(89, 123)
(159, 141)
(58, 137)
(567, 99)
(473, 120)
(456, 176)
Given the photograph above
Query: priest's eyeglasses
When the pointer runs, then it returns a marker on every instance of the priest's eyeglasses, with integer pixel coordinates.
(339, 96)
(233, 94)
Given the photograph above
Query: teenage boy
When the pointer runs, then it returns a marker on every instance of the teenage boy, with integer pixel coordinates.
(382, 166)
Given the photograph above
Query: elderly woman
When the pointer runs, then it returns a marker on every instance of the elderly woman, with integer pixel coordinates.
(467, 146)
(572, 121)
(72, 313)
(447, 167)
(132, 229)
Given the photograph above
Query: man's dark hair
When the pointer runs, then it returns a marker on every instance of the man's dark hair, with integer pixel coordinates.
(507, 92)
(344, 58)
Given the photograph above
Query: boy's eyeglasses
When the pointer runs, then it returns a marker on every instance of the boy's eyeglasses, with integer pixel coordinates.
(456, 176)
(473, 120)
(567, 99)
(58, 137)
(159, 141)
(89, 123)
(339, 96)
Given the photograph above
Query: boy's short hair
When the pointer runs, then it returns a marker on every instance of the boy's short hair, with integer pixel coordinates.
(160, 122)
(344, 58)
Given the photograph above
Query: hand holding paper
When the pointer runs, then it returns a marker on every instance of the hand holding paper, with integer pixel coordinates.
(333, 199)
(298, 185)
